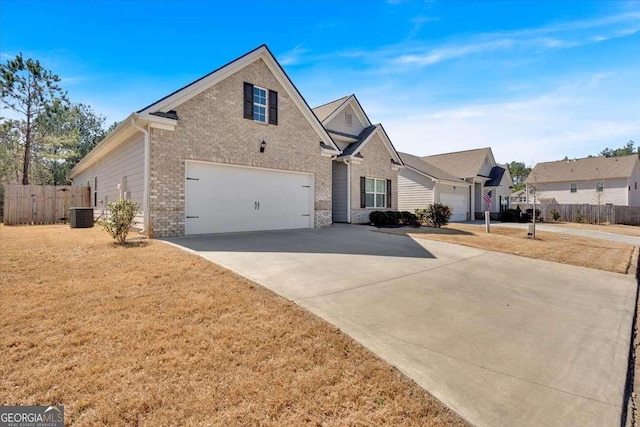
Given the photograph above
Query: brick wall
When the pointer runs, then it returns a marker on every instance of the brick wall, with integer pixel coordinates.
(212, 128)
(376, 164)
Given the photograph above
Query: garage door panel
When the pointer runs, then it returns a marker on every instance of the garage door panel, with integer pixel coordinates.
(457, 203)
(223, 198)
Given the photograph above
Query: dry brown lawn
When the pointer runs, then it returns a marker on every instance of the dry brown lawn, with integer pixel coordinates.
(151, 335)
(625, 230)
(556, 247)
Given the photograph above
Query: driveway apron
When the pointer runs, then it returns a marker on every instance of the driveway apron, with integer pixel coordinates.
(502, 340)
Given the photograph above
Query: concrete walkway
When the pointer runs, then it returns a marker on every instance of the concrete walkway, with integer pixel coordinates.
(502, 340)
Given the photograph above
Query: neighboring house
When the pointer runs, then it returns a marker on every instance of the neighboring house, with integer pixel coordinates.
(519, 197)
(237, 150)
(479, 168)
(365, 174)
(592, 180)
(421, 184)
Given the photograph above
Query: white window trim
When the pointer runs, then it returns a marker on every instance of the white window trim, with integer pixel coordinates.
(265, 105)
(375, 193)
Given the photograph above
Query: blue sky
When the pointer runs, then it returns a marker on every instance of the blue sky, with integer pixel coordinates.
(536, 81)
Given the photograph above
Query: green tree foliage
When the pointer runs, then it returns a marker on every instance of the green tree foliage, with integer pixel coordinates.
(627, 150)
(519, 172)
(47, 135)
(28, 90)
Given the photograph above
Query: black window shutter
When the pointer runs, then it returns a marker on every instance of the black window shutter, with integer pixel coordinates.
(363, 203)
(389, 193)
(273, 107)
(248, 101)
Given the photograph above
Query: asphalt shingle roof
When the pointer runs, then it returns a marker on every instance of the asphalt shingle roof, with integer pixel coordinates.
(495, 176)
(422, 166)
(590, 168)
(462, 164)
(325, 110)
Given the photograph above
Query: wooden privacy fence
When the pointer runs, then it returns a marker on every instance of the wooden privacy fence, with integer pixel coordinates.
(593, 214)
(42, 204)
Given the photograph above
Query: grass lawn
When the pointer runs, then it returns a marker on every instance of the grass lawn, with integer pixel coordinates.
(556, 247)
(151, 335)
(625, 230)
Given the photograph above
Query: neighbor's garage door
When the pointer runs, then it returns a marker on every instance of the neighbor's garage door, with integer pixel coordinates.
(221, 198)
(458, 205)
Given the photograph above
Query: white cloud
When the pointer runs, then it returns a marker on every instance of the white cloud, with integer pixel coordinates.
(562, 122)
(554, 36)
(293, 56)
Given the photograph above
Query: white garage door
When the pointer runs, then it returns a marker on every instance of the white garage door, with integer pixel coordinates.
(458, 205)
(221, 198)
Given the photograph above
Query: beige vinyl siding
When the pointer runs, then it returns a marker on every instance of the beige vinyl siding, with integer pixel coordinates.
(615, 192)
(339, 192)
(124, 166)
(338, 122)
(633, 187)
(415, 191)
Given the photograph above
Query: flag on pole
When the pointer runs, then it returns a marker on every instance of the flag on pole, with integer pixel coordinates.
(487, 198)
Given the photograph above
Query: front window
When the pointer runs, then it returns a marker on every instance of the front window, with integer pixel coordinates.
(599, 186)
(375, 193)
(574, 187)
(259, 104)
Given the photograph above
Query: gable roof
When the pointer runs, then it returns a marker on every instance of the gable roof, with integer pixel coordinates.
(419, 165)
(340, 104)
(171, 101)
(365, 136)
(590, 168)
(325, 110)
(462, 164)
(495, 176)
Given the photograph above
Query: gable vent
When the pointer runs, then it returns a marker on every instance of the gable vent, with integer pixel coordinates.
(348, 119)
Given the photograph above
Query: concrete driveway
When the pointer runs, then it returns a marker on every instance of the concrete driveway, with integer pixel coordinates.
(502, 340)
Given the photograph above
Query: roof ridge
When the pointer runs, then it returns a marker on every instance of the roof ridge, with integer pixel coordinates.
(461, 151)
(331, 102)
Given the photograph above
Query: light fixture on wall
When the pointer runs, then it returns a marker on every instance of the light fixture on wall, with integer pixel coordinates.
(263, 145)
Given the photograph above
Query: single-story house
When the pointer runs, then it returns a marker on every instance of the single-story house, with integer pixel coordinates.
(239, 150)
(421, 184)
(365, 174)
(489, 183)
(592, 180)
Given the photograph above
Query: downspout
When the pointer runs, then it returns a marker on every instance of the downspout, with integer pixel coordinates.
(147, 172)
(348, 162)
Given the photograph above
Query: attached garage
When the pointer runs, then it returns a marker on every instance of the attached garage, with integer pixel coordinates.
(458, 205)
(224, 198)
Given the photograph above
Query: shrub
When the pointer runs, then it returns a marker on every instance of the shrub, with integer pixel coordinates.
(554, 215)
(438, 214)
(579, 217)
(378, 218)
(421, 216)
(511, 215)
(407, 218)
(119, 221)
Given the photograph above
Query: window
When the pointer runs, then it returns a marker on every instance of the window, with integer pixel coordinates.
(635, 185)
(574, 187)
(260, 104)
(599, 186)
(375, 193)
(348, 118)
(95, 191)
